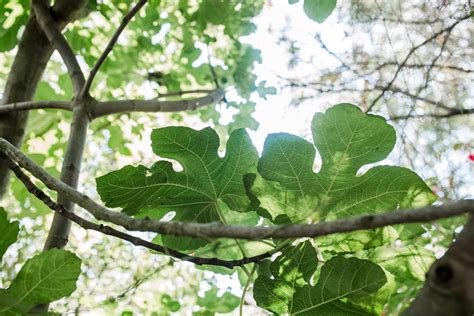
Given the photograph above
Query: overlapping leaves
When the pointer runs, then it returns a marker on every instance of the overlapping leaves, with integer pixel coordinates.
(286, 189)
(278, 281)
(345, 286)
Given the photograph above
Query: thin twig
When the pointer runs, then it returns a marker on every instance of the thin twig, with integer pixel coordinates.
(219, 230)
(453, 112)
(110, 45)
(107, 230)
(407, 57)
(183, 92)
(449, 67)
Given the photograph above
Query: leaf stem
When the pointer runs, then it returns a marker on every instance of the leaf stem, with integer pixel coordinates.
(249, 280)
(242, 250)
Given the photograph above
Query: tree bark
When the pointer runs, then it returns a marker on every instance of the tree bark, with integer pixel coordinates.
(34, 51)
(449, 285)
(59, 230)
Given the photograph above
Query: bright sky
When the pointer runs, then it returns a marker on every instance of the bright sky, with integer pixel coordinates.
(276, 114)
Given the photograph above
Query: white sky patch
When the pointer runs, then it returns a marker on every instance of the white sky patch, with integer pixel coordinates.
(276, 113)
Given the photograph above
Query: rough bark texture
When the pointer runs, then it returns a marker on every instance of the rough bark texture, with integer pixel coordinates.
(449, 285)
(34, 51)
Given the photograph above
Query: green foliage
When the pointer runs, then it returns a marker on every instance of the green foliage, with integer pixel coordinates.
(9, 232)
(319, 10)
(169, 303)
(169, 37)
(44, 278)
(285, 190)
(212, 303)
(13, 14)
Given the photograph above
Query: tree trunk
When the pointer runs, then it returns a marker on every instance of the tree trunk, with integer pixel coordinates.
(34, 51)
(449, 285)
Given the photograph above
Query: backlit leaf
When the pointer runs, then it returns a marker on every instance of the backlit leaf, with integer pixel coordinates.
(44, 278)
(347, 139)
(194, 193)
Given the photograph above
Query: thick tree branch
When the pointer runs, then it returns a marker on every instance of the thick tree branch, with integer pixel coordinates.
(218, 230)
(123, 106)
(407, 57)
(110, 45)
(55, 36)
(107, 230)
(34, 105)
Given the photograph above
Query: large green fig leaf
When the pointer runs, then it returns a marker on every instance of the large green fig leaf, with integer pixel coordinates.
(344, 287)
(207, 180)
(347, 139)
(42, 279)
(8, 231)
(278, 281)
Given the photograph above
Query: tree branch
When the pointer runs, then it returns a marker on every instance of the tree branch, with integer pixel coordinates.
(183, 92)
(34, 105)
(416, 66)
(453, 112)
(98, 109)
(34, 51)
(407, 57)
(55, 36)
(329, 89)
(123, 106)
(107, 230)
(110, 46)
(218, 230)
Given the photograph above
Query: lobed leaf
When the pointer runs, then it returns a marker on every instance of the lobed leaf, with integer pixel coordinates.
(347, 139)
(195, 193)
